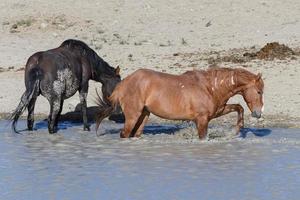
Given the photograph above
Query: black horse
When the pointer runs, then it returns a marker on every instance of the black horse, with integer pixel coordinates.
(58, 74)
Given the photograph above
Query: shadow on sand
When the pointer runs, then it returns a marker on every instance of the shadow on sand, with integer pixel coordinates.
(92, 112)
(74, 118)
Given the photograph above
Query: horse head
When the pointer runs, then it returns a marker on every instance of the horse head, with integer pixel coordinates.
(109, 82)
(253, 96)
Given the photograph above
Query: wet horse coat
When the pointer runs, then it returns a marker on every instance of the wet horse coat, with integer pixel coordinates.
(195, 95)
(58, 74)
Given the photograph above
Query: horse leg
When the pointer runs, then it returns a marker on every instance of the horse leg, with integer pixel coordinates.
(58, 114)
(82, 96)
(235, 108)
(141, 123)
(55, 107)
(30, 116)
(202, 124)
(132, 114)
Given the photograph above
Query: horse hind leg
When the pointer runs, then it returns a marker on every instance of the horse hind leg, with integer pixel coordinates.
(55, 109)
(59, 112)
(132, 115)
(30, 117)
(141, 123)
(128, 126)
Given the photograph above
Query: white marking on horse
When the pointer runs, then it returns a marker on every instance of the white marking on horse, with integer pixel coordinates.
(58, 86)
(216, 79)
(65, 82)
(56, 105)
(181, 85)
(232, 80)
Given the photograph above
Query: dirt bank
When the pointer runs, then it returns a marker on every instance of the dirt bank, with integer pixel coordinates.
(163, 35)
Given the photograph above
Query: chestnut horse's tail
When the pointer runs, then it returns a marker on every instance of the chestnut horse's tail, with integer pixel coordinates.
(31, 91)
(105, 108)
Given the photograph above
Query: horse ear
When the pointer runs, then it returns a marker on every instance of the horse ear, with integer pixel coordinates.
(258, 76)
(117, 70)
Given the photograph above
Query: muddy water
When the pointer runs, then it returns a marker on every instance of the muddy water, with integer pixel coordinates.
(167, 163)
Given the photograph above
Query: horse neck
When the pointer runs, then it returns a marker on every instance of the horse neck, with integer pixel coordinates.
(227, 84)
(100, 68)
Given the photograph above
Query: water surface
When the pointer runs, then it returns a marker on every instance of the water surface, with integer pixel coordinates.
(167, 163)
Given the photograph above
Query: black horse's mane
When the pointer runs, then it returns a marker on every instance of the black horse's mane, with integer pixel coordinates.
(91, 55)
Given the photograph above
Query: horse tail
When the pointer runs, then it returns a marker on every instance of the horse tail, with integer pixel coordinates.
(106, 108)
(32, 89)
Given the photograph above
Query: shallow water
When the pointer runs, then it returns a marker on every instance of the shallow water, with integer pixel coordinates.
(263, 164)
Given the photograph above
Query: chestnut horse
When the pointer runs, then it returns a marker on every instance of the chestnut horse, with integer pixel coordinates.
(194, 95)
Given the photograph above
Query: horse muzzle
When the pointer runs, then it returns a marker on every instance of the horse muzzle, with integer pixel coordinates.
(256, 114)
(117, 115)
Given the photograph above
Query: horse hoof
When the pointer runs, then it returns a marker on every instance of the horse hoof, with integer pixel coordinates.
(52, 131)
(122, 135)
(30, 126)
(86, 128)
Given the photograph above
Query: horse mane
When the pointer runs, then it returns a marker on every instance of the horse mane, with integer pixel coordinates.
(71, 43)
(241, 75)
(245, 75)
(90, 54)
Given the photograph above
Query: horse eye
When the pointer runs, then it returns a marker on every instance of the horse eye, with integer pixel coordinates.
(259, 92)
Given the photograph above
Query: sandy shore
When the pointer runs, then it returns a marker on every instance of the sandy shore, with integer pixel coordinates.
(169, 36)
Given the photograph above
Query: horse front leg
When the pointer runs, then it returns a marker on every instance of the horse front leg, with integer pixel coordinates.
(202, 124)
(235, 108)
(82, 96)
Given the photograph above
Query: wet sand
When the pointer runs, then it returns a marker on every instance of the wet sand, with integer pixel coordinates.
(168, 162)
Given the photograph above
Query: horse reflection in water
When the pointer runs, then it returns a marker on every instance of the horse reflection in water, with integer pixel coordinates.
(58, 74)
(195, 95)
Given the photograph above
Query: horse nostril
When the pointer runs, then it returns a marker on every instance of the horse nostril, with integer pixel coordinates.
(256, 114)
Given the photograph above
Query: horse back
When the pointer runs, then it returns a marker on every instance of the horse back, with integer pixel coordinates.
(54, 60)
(59, 67)
(163, 94)
(146, 80)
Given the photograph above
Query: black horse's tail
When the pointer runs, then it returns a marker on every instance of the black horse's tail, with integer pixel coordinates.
(31, 90)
